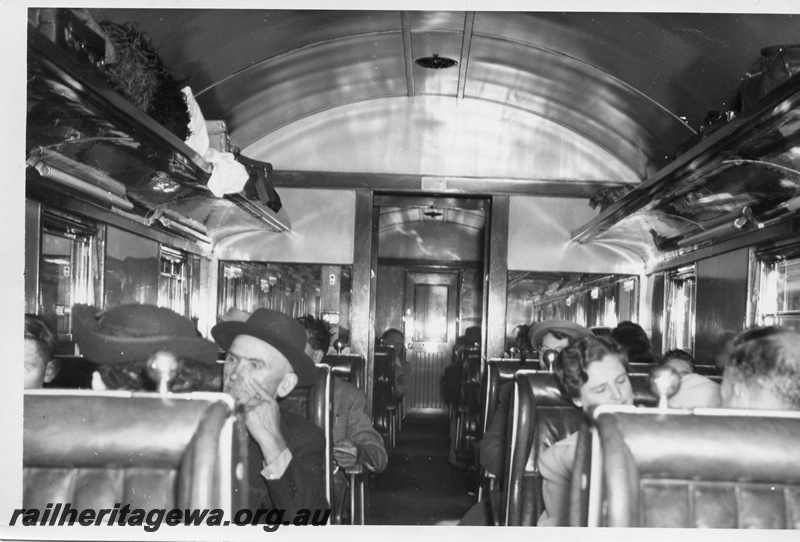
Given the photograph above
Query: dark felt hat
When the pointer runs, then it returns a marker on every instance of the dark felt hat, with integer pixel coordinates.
(281, 331)
(540, 329)
(134, 331)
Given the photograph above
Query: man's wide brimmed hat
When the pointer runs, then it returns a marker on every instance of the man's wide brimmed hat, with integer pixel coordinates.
(540, 329)
(133, 332)
(281, 331)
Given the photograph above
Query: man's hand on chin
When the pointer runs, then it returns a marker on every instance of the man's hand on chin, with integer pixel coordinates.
(263, 419)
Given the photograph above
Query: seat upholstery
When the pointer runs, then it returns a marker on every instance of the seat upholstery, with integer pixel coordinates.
(581, 474)
(468, 412)
(384, 408)
(348, 367)
(703, 468)
(316, 404)
(351, 367)
(498, 372)
(95, 449)
(541, 416)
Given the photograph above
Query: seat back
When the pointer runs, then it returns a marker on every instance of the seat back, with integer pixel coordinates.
(75, 372)
(471, 365)
(642, 393)
(383, 389)
(498, 372)
(469, 404)
(316, 404)
(641, 368)
(581, 474)
(348, 367)
(541, 416)
(96, 449)
(703, 468)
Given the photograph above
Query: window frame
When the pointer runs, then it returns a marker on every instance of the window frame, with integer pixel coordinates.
(680, 274)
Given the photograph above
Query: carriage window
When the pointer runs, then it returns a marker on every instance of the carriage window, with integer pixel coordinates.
(323, 291)
(132, 269)
(680, 308)
(591, 300)
(779, 293)
(66, 267)
(173, 281)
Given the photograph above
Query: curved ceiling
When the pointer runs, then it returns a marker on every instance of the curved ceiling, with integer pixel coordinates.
(614, 85)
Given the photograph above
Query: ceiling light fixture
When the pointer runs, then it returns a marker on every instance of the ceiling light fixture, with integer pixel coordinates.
(435, 62)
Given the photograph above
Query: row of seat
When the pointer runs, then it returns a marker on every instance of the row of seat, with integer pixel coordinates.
(705, 468)
(644, 466)
(188, 449)
(387, 405)
(539, 416)
(464, 376)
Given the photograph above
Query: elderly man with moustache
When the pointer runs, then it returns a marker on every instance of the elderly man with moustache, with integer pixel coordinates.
(265, 361)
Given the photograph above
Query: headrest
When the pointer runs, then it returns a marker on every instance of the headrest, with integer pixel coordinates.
(507, 369)
(112, 428)
(642, 393)
(544, 387)
(707, 444)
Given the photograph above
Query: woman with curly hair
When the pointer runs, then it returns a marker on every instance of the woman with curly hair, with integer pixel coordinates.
(592, 371)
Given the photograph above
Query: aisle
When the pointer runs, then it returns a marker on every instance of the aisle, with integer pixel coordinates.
(420, 487)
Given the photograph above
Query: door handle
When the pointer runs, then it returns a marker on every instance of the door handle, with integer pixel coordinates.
(409, 345)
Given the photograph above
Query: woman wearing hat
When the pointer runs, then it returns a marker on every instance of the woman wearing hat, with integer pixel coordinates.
(122, 339)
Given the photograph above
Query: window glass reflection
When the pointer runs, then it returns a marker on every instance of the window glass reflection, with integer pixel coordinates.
(132, 269)
(323, 291)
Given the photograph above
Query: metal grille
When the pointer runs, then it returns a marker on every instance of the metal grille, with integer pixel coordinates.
(425, 390)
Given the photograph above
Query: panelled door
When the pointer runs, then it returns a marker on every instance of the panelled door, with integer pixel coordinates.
(430, 313)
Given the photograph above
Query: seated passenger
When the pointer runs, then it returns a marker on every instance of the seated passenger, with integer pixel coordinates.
(763, 370)
(235, 315)
(355, 441)
(695, 391)
(635, 341)
(402, 372)
(265, 361)
(40, 344)
(545, 335)
(592, 371)
(122, 339)
(522, 340)
(454, 372)
(542, 336)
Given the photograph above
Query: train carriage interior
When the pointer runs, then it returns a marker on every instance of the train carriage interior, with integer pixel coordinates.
(454, 177)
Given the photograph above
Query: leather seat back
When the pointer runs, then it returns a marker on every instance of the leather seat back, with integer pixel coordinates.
(383, 388)
(75, 372)
(350, 367)
(95, 449)
(642, 393)
(541, 416)
(703, 468)
(498, 372)
(316, 404)
(581, 474)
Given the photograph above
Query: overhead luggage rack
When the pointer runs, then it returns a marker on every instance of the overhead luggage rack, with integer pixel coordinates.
(743, 177)
(74, 117)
